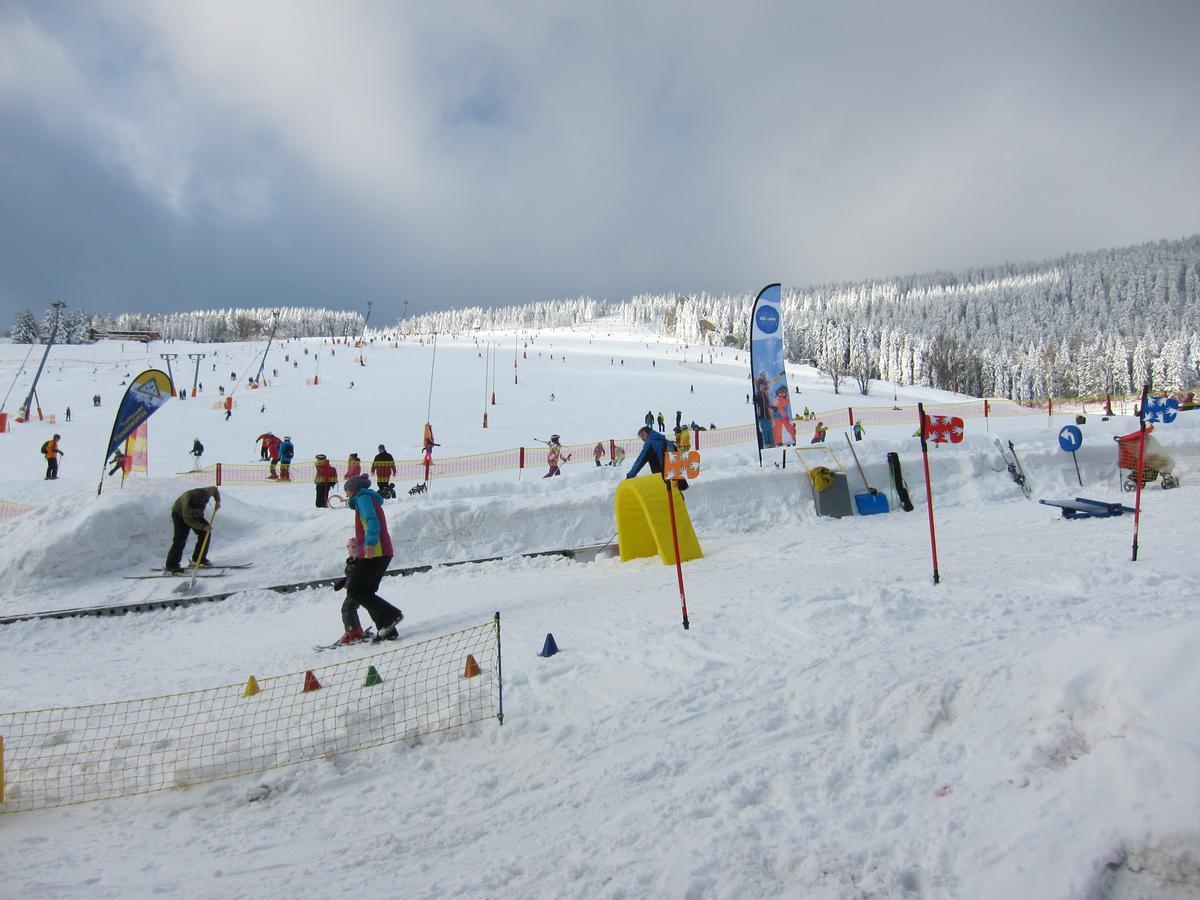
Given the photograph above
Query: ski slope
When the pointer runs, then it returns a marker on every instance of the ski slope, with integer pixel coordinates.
(832, 725)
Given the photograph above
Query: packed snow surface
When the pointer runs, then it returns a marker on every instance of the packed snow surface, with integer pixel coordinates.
(832, 725)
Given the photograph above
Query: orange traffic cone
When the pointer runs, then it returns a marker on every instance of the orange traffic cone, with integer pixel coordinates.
(472, 668)
(310, 682)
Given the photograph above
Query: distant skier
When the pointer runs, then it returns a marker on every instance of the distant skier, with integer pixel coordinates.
(353, 466)
(51, 451)
(598, 453)
(859, 431)
(662, 424)
(383, 470)
(325, 478)
(819, 434)
(196, 452)
(371, 551)
(228, 407)
(287, 450)
(649, 419)
(118, 462)
(187, 514)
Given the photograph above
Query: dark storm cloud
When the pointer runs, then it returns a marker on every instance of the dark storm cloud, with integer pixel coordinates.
(175, 155)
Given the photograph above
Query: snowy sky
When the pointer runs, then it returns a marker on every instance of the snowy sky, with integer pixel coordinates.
(159, 155)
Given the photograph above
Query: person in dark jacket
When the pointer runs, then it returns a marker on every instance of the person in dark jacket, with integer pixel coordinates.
(654, 447)
(325, 479)
(197, 451)
(187, 514)
(371, 553)
(383, 469)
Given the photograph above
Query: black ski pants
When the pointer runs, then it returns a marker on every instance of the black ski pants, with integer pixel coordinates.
(362, 581)
(179, 541)
(51, 467)
(323, 494)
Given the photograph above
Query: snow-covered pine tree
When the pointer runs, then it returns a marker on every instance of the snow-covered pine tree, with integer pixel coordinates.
(25, 328)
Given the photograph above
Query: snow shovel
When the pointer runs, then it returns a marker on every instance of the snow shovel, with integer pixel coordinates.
(872, 502)
(187, 588)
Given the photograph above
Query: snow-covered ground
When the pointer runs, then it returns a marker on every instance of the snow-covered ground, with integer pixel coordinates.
(832, 725)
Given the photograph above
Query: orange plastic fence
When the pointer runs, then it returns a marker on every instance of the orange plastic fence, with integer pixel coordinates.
(9, 510)
(534, 458)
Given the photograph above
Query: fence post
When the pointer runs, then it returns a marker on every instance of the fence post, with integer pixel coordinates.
(850, 411)
(218, 474)
(520, 463)
(696, 440)
(1050, 409)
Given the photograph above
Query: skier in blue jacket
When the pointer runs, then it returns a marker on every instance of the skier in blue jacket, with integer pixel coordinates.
(286, 452)
(654, 447)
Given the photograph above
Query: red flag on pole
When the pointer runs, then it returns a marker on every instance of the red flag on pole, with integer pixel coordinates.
(943, 429)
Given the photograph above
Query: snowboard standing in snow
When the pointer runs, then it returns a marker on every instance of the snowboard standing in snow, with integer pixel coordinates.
(898, 482)
(1015, 469)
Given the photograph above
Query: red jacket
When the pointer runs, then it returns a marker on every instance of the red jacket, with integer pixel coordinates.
(326, 473)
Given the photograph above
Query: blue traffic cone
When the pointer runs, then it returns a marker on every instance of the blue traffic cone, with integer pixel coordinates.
(549, 648)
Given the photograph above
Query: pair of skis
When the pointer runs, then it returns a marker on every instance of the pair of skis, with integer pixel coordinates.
(213, 571)
(369, 637)
(1015, 469)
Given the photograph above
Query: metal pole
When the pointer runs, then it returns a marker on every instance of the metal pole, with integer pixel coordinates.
(271, 337)
(363, 337)
(929, 495)
(57, 305)
(170, 373)
(196, 376)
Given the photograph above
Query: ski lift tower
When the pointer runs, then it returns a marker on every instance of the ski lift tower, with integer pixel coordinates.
(362, 337)
(23, 414)
(262, 365)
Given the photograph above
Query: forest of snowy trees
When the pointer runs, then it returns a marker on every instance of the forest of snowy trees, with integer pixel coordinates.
(1082, 325)
(206, 326)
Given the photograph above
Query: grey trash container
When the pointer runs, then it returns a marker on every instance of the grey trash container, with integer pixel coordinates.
(835, 499)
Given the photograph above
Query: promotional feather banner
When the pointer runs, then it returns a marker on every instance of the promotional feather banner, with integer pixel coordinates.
(146, 393)
(772, 402)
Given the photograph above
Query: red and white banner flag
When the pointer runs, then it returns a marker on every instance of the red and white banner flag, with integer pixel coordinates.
(943, 429)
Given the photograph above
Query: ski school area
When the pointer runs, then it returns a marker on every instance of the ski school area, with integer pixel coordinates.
(831, 723)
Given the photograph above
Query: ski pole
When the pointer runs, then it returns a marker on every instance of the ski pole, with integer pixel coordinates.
(187, 589)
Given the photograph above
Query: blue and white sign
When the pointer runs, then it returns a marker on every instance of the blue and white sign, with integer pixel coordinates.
(1070, 438)
(1162, 409)
(772, 402)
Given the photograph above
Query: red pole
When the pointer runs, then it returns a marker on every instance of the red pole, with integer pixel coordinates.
(218, 474)
(929, 495)
(850, 410)
(678, 564)
(1137, 505)
(520, 462)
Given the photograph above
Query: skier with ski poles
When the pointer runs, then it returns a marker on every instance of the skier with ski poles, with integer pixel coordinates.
(52, 453)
